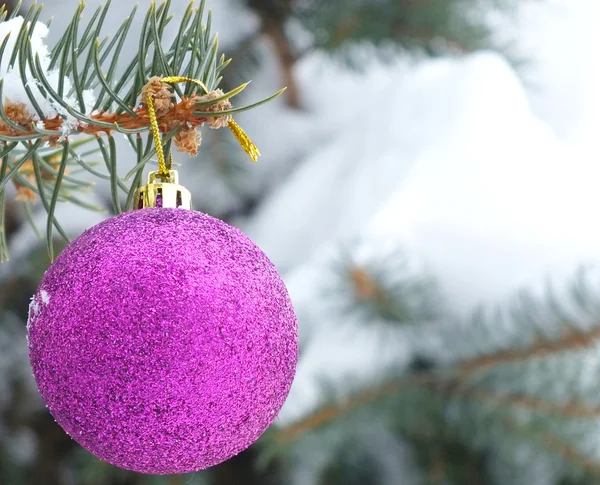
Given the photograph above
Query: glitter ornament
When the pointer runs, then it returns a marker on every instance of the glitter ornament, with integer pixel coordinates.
(163, 340)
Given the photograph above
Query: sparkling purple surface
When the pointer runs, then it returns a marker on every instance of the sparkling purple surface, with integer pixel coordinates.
(163, 341)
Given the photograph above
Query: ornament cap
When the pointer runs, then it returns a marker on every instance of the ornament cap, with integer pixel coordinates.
(163, 190)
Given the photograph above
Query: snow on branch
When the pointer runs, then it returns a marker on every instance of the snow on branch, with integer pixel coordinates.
(540, 393)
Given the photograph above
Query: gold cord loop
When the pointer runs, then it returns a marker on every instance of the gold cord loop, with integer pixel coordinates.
(164, 167)
(245, 142)
(163, 170)
(240, 135)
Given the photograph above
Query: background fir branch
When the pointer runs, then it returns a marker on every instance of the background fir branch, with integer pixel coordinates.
(383, 287)
(337, 27)
(528, 393)
(434, 26)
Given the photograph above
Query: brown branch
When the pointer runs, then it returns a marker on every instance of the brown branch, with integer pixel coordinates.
(554, 443)
(570, 340)
(329, 413)
(182, 114)
(365, 286)
(567, 410)
(570, 454)
(287, 59)
(450, 383)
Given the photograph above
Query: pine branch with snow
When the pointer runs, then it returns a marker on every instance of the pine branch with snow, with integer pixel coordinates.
(49, 98)
(434, 27)
(509, 390)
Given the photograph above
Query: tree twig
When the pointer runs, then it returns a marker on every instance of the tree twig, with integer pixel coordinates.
(569, 340)
(450, 382)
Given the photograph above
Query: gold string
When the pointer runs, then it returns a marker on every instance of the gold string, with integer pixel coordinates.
(163, 170)
(244, 140)
(240, 135)
(182, 79)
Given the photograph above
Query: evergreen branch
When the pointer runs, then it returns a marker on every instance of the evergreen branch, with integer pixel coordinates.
(10, 123)
(332, 412)
(110, 159)
(64, 66)
(4, 44)
(383, 288)
(118, 41)
(448, 385)
(137, 180)
(435, 25)
(15, 168)
(86, 166)
(22, 70)
(54, 173)
(30, 219)
(570, 340)
(15, 10)
(8, 147)
(54, 108)
(114, 186)
(203, 114)
(176, 47)
(106, 84)
(462, 403)
(196, 35)
(224, 97)
(148, 153)
(3, 245)
(530, 403)
(555, 444)
(160, 59)
(54, 199)
(41, 192)
(28, 15)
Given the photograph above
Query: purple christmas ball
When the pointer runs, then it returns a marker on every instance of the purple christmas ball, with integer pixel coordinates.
(163, 341)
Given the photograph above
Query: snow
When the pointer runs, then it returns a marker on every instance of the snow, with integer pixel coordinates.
(14, 89)
(560, 73)
(362, 163)
(472, 171)
(34, 309)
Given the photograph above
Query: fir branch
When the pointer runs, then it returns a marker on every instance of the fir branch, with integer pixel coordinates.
(51, 112)
(332, 412)
(433, 26)
(3, 170)
(383, 287)
(475, 399)
(58, 180)
(182, 114)
(530, 403)
(448, 386)
(570, 340)
(555, 444)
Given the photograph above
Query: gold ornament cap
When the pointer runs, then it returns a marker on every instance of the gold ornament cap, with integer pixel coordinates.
(163, 190)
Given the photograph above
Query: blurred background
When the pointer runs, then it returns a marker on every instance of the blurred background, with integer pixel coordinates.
(429, 191)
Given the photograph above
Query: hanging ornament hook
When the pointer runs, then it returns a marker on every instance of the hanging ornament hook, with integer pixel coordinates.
(163, 167)
(162, 189)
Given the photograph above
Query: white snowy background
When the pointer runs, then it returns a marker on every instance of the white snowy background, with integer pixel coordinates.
(487, 177)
